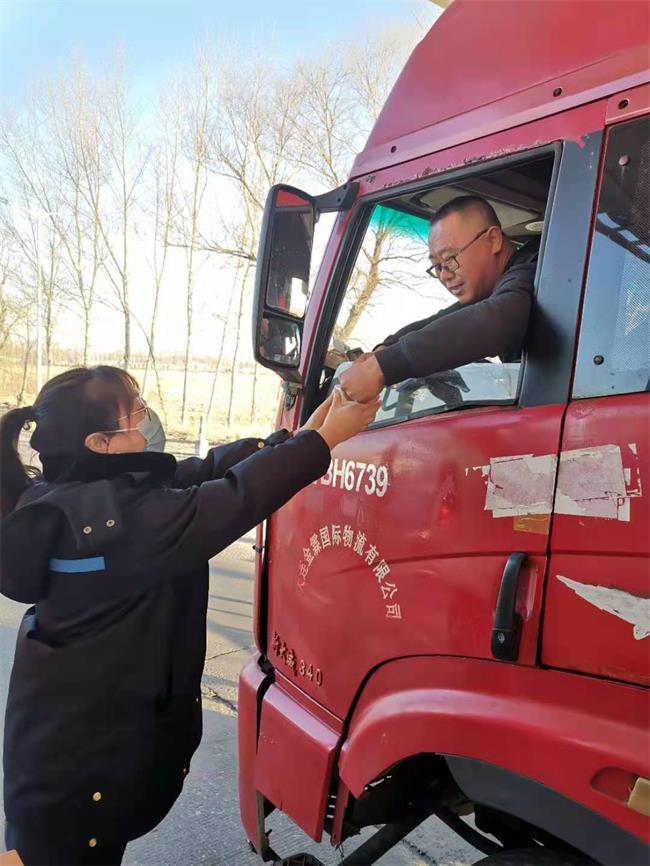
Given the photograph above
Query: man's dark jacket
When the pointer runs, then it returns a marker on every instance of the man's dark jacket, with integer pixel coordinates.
(104, 706)
(464, 333)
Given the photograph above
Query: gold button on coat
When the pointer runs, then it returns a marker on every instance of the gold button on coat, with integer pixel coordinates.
(92, 843)
(97, 796)
(260, 445)
(87, 530)
(110, 523)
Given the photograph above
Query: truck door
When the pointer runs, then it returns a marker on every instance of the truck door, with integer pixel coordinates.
(401, 549)
(597, 612)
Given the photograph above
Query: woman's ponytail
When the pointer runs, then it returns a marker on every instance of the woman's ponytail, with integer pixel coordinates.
(67, 409)
(14, 477)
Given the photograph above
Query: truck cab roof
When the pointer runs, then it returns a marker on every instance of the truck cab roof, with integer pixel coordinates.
(481, 68)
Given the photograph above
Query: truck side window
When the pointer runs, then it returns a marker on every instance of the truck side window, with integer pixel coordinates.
(614, 348)
(389, 288)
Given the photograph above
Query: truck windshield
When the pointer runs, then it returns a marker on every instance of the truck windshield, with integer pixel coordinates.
(390, 288)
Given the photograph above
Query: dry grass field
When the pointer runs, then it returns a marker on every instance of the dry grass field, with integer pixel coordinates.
(182, 436)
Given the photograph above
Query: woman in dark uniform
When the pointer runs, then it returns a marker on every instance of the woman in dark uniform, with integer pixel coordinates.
(111, 547)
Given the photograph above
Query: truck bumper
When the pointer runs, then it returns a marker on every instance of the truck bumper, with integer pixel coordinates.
(287, 751)
(252, 682)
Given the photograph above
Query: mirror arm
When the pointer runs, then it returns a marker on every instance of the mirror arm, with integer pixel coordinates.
(337, 199)
(280, 315)
(291, 391)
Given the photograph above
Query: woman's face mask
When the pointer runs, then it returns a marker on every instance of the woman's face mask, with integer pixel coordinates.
(149, 426)
(152, 429)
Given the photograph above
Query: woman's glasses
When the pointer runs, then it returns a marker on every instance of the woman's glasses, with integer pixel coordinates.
(141, 412)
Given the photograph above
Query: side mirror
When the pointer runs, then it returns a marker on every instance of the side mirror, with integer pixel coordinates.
(282, 279)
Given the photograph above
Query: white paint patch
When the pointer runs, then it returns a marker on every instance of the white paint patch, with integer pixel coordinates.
(592, 482)
(634, 609)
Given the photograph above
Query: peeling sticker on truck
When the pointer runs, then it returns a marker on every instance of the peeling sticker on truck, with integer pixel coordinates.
(335, 535)
(592, 482)
(539, 524)
(520, 485)
(634, 609)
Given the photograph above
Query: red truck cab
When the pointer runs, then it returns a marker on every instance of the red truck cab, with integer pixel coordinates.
(455, 619)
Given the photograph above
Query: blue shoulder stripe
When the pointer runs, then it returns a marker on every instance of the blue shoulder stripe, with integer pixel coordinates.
(72, 566)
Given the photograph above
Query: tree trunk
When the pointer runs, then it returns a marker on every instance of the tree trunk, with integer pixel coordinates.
(359, 305)
(366, 293)
(161, 396)
(146, 373)
(127, 323)
(48, 342)
(151, 357)
(221, 348)
(152, 337)
(86, 335)
(188, 335)
(254, 401)
(231, 407)
(23, 385)
(159, 390)
(151, 340)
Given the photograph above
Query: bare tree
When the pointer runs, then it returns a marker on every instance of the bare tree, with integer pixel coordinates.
(45, 150)
(48, 274)
(16, 298)
(34, 267)
(327, 127)
(254, 144)
(363, 284)
(75, 159)
(388, 259)
(342, 93)
(235, 357)
(196, 97)
(28, 345)
(222, 342)
(165, 161)
(303, 126)
(113, 163)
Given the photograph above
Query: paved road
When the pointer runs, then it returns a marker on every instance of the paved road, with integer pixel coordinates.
(203, 827)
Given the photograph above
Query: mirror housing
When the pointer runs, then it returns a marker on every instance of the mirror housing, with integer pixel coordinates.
(282, 272)
(282, 279)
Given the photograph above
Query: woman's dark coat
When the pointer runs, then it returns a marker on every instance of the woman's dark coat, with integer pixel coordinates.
(104, 706)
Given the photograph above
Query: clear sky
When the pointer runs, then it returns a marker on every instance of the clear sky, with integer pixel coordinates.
(37, 35)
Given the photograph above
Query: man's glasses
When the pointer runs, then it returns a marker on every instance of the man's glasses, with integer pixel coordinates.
(452, 264)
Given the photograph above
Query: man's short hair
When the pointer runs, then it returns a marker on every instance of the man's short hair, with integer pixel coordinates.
(465, 204)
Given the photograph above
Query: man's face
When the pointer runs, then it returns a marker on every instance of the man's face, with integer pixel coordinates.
(478, 264)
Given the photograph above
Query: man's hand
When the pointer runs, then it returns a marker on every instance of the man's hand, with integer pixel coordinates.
(365, 355)
(346, 418)
(364, 380)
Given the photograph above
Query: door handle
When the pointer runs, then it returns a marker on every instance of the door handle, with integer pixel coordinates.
(506, 629)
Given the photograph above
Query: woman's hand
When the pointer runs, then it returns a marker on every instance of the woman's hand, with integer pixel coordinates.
(319, 415)
(345, 418)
